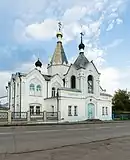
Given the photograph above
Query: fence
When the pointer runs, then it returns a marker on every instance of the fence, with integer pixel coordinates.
(19, 116)
(52, 116)
(121, 116)
(28, 117)
(3, 116)
(37, 116)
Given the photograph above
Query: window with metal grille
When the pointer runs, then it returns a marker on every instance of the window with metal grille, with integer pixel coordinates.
(106, 110)
(53, 92)
(103, 110)
(69, 111)
(39, 88)
(31, 110)
(75, 111)
(37, 110)
(52, 110)
(32, 87)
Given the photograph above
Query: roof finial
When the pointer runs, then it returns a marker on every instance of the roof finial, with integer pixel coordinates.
(81, 46)
(59, 33)
(82, 34)
(60, 25)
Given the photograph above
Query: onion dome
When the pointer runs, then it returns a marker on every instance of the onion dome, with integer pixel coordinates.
(38, 63)
(81, 46)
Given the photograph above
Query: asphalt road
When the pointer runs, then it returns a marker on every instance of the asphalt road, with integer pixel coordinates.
(19, 140)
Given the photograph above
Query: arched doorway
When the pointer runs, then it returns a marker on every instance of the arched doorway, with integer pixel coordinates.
(91, 111)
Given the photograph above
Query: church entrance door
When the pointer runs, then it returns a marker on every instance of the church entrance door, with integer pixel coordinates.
(91, 111)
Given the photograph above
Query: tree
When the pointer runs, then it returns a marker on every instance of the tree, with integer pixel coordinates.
(121, 101)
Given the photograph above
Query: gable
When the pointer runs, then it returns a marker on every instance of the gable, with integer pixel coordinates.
(57, 80)
(68, 70)
(35, 80)
(95, 67)
(35, 76)
(56, 84)
(71, 71)
(91, 69)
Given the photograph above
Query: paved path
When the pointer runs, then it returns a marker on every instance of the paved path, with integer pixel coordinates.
(32, 140)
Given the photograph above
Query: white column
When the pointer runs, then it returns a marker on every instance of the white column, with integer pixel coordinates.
(45, 116)
(66, 83)
(16, 98)
(9, 116)
(82, 82)
(12, 94)
(59, 116)
(28, 116)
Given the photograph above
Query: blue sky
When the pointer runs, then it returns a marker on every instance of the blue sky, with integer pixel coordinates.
(27, 31)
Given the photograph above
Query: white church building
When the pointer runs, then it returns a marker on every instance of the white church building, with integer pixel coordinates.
(73, 90)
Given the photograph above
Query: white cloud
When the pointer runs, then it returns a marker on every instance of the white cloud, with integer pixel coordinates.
(5, 75)
(40, 31)
(96, 55)
(111, 25)
(110, 79)
(19, 31)
(113, 78)
(119, 21)
(115, 43)
(74, 14)
(113, 15)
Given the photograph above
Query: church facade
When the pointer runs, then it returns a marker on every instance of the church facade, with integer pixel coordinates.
(73, 90)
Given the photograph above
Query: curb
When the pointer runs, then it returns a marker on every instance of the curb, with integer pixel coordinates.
(58, 123)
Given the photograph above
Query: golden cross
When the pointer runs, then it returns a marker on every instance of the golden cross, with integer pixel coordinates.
(60, 25)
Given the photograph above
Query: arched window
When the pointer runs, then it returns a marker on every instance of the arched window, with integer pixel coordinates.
(38, 88)
(32, 87)
(73, 82)
(64, 82)
(53, 92)
(90, 84)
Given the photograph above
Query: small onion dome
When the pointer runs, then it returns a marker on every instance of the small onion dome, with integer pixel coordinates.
(38, 63)
(81, 46)
(59, 34)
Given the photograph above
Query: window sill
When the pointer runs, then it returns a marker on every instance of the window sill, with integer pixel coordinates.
(35, 95)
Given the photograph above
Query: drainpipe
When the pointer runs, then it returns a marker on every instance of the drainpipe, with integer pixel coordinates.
(20, 93)
(57, 100)
(14, 92)
(9, 92)
(47, 89)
